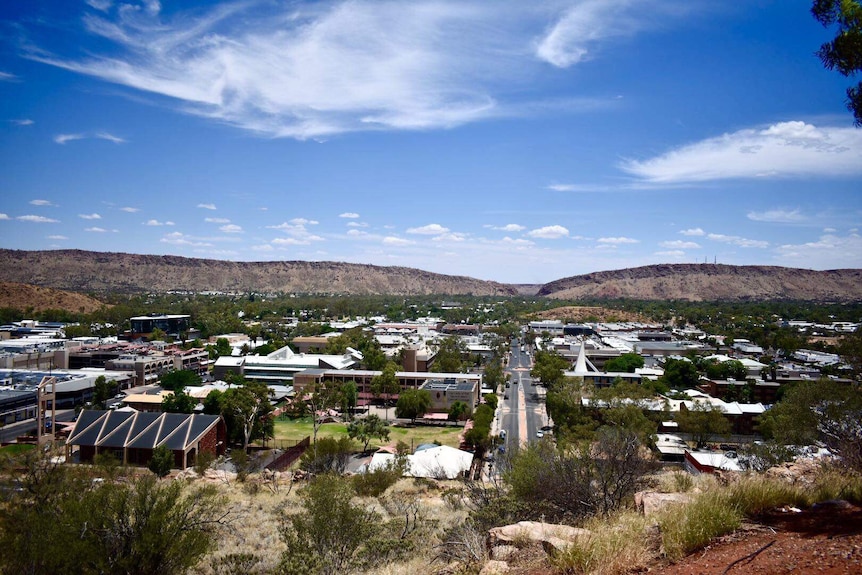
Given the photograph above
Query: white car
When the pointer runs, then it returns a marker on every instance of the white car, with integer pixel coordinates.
(540, 434)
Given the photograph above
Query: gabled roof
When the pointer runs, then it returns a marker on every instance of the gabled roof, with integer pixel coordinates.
(143, 430)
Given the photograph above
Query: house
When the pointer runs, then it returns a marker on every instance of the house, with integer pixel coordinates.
(711, 461)
(429, 461)
(131, 436)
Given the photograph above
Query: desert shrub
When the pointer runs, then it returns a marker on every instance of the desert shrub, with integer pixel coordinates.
(237, 564)
(204, 461)
(375, 483)
(691, 526)
(755, 494)
(682, 482)
(833, 483)
(327, 455)
(162, 461)
(618, 544)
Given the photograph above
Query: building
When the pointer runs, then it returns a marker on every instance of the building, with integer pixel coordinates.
(588, 372)
(282, 365)
(131, 436)
(445, 392)
(711, 462)
(176, 326)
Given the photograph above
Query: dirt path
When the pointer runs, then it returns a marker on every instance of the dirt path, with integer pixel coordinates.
(826, 539)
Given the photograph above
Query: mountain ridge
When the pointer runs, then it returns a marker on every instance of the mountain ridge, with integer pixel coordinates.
(88, 271)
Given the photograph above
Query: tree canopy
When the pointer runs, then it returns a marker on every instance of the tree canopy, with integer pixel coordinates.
(179, 379)
(449, 356)
(844, 53)
(413, 403)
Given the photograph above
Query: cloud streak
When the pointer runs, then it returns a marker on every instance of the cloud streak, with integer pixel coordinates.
(787, 149)
(64, 138)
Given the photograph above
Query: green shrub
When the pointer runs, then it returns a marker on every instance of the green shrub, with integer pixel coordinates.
(618, 544)
(689, 527)
(375, 483)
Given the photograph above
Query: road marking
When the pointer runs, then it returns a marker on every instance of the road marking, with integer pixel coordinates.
(522, 414)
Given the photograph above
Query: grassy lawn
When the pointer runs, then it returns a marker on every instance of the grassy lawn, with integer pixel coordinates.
(16, 448)
(296, 429)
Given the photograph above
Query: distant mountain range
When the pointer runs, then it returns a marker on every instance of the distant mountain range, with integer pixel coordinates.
(99, 272)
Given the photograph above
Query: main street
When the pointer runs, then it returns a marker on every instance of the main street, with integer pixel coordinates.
(523, 413)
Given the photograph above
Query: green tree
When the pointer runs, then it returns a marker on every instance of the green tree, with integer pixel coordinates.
(844, 53)
(703, 421)
(368, 428)
(247, 409)
(448, 359)
(222, 347)
(328, 535)
(349, 396)
(458, 411)
(162, 461)
(626, 363)
(386, 384)
(413, 403)
(814, 411)
(102, 391)
(680, 374)
(494, 375)
(180, 379)
(548, 368)
(179, 402)
(491, 399)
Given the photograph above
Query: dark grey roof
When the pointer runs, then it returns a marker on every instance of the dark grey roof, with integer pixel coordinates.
(137, 429)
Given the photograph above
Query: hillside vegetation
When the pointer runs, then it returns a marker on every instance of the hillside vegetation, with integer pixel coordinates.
(35, 298)
(130, 273)
(710, 282)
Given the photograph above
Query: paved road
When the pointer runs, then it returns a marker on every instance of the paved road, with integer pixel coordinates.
(523, 413)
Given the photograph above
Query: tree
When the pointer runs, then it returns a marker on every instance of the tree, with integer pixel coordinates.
(349, 396)
(458, 411)
(448, 358)
(180, 379)
(179, 402)
(413, 403)
(494, 374)
(102, 391)
(327, 536)
(161, 462)
(368, 428)
(626, 363)
(246, 410)
(222, 347)
(548, 368)
(814, 411)
(142, 525)
(844, 53)
(703, 420)
(321, 397)
(386, 384)
(680, 374)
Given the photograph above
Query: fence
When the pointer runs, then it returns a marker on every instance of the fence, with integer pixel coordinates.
(290, 455)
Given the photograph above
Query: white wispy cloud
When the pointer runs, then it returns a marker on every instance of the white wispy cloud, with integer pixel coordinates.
(63, 138)
(103, 5)
(395, 241)
(585, 24)
(829, 230)
(46, 203)
(217, 220)
(617, 240)
(207, 206)
(738, 241)
(180, 239)
(263, 248)
(4, 216)
(23, 122)
(101, 230)
(231, 229)
(777, 216)
(57, 237)
(37, 219)
(549, 232)
(787, 149)
(290, 242)
(693, 232)
(315, 69)
(158, 223)
(450, 237)
(671, 253)
(357, 224)
(349, 215)
(679, 245)
(563, 187)
(827, 252)
(7, 77)
(129, 209)
(92, 216)
(521, 242)
(303, 222)
(429, 230)
(508, 228)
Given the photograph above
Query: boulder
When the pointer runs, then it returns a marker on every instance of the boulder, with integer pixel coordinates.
(503, 552)
(651, 502)
(553, 537)
(493, 567)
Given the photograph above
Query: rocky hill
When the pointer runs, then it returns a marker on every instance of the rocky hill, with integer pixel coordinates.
(710, 282)
(22, 297)
(86, 271)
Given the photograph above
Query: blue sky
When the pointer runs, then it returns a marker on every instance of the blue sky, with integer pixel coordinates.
(513, 141)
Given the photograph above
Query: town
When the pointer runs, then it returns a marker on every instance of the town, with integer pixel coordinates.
(376, 399)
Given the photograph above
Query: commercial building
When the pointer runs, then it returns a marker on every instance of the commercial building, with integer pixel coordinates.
(282, 365)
